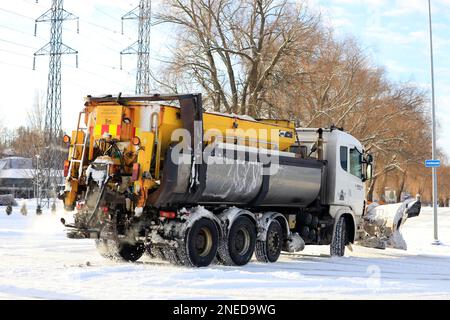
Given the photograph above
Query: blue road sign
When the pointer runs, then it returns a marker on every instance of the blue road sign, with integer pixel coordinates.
(433, 163)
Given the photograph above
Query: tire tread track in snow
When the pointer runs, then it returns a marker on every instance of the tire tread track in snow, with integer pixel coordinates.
(39, 262)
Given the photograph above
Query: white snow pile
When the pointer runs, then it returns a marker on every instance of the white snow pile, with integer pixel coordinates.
(37, 261)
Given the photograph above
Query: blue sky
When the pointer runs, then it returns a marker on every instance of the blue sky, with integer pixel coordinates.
(394, 33)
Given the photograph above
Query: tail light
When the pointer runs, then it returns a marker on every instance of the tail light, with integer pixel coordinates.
(66, 168)
(168, 214)
(135, 173)
(80, 205)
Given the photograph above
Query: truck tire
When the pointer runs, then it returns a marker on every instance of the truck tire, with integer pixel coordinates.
(269, 251)
(172, 256)
(238, 247)
(120, 250)
(200, 244)
(339, 239)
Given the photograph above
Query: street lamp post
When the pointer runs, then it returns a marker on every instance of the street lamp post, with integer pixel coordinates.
(38, 186)
(433, 102)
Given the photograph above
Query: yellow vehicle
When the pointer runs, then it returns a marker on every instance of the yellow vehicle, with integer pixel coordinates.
(159, 174)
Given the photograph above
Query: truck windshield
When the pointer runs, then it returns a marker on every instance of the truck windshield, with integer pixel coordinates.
(355, 163)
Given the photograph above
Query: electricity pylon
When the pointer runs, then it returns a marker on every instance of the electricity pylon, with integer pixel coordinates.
(142, 46)
(55, 48)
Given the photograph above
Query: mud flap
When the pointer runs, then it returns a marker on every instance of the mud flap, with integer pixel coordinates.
(294, 243)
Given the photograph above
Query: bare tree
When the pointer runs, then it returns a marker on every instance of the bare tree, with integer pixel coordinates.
(232, 49)
(37, 113)
(273, 59)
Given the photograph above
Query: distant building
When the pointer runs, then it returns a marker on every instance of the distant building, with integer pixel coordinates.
(7, 153)
(390, 195)
(16, 177)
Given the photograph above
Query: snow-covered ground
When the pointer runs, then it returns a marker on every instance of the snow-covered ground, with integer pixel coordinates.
(38, 262)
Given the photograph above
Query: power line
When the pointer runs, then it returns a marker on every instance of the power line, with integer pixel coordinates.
(19, 31)
(113, 31)
(113, 40)
(17, 44)
(102, 65)
(97, 75)
(96, 41)
(86, 21)
(14, 65)
(16, 14)
(15, 53)
(106, 14)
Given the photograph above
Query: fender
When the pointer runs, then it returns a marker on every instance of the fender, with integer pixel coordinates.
(195, 214)
(293, 242)
(337, 212)
(228, 217)
(264, 221)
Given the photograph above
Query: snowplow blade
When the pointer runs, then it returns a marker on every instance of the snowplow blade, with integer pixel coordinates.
(382, 224)
(414, 210)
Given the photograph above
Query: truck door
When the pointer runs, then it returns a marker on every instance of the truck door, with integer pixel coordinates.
(352, 191)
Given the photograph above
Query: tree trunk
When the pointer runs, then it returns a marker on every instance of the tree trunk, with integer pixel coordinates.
(401, 187)
(371, 190)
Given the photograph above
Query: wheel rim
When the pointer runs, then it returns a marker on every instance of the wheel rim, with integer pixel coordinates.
(242, 241)
(273, 243)
(203, 242)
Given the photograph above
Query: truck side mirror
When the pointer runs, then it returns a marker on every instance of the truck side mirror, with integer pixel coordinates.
(367, 158)
(369, 171)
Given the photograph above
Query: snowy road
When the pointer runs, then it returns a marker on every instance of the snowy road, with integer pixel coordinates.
(38, 262)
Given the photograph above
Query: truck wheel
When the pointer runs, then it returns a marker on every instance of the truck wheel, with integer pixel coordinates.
(122, 250)
(339, 241)
(269, 251)
(200, 244)
(238, 248)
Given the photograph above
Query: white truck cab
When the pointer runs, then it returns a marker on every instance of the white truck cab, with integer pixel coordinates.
(348, 167)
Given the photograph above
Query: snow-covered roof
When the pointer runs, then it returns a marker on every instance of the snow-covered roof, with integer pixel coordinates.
(16, 163)
(17, 174)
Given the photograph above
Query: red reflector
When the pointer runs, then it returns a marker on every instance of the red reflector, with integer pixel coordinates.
(80, 205)
(135, 173)
(105, 209)
(66, 168)
(168, 214)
